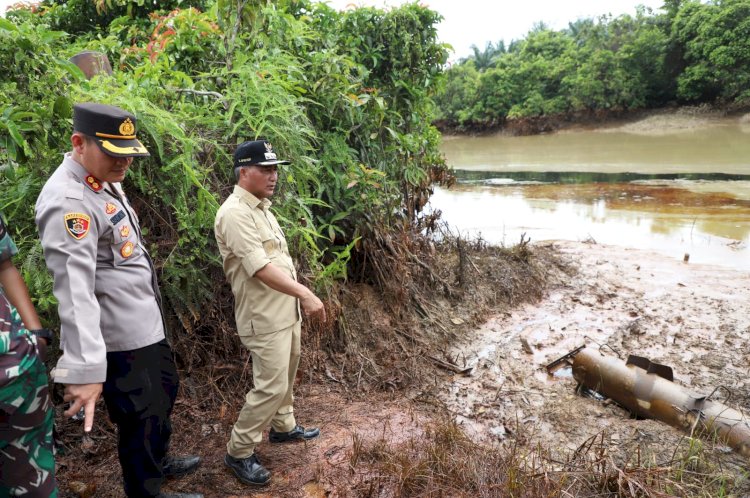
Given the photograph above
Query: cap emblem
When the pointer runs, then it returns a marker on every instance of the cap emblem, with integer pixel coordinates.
(110, 208)
(269, 147)
(77, 225)
(127, 127)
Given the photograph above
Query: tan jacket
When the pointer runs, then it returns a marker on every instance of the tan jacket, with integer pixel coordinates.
(104, 279)
(249, 238)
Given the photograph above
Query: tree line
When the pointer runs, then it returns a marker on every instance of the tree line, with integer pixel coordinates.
(691, 52)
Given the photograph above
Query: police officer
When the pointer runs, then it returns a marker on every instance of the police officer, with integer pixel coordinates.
(111, 318)
(267, 300)
(27, 464)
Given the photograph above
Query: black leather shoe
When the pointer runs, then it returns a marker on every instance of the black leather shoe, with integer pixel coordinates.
(248, 470)
(174, 466)
(180, 495)
(299, 433)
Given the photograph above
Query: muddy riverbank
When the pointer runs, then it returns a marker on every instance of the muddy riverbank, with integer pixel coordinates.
(691, 317)
(638, 120)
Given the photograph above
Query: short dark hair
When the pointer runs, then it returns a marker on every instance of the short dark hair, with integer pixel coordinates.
(86, 138)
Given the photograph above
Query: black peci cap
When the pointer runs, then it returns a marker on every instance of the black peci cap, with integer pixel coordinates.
(112, 128)
(256, 153)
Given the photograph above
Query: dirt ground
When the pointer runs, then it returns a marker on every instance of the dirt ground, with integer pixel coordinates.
(693, 318)
(314, 469)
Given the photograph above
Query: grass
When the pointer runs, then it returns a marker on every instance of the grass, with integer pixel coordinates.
(445, 462)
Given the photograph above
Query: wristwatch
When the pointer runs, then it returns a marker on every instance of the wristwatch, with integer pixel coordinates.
(43, 334)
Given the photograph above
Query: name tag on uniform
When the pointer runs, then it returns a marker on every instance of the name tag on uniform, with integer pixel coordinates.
(117, 218)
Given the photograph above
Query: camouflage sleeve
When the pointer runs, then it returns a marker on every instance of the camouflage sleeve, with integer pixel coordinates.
(7, 247)
(17, 354)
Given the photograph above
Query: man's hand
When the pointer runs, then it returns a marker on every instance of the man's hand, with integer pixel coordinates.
(82, 395)
(281, 281)
(311, 306)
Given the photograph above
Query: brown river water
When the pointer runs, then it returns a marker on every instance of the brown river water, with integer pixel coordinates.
(673, 184)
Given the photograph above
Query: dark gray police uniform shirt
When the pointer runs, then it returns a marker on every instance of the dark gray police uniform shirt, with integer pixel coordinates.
(104, 278)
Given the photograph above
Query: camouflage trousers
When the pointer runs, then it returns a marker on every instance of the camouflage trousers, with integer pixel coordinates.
(27, 464)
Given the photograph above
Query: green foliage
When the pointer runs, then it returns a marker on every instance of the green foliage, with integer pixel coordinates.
(716, 41)
(694, 52)
(459, 93)
(346, 96)
(484, 59)
(92, 16)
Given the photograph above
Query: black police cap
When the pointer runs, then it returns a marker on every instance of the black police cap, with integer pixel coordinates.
(112, 128)
(256, 153)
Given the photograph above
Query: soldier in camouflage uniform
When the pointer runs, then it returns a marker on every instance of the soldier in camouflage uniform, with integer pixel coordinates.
(27, 465)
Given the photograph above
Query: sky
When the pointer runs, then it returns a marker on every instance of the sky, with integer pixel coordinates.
(477, 22)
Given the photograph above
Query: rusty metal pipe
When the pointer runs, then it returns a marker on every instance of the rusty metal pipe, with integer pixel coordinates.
(92, 63)
(648, 395)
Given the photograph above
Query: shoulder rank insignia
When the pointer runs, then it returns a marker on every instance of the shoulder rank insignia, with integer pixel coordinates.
(110, 208)
(124, 231)
(127, 249)
(77, 225)
(93, 183)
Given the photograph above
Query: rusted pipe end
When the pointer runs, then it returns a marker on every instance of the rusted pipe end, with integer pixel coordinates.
(92, 63)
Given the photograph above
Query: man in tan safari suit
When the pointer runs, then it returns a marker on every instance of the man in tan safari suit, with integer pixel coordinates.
(267, 308)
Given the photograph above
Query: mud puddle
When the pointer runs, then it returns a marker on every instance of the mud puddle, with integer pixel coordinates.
(691, 317)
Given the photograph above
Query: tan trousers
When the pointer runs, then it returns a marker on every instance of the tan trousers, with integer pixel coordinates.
(270, 401)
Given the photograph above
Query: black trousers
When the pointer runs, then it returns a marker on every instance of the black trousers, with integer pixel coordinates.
(139, 392)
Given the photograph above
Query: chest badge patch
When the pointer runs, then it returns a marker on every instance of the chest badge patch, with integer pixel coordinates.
(127, 249)
(93, 183)
(124, 231)
(110, 208)
(77, 225)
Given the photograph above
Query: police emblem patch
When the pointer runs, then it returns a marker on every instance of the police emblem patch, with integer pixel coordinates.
(124, 231)
(77, 225)
(127, 249)
(110, 208)
(94, 183)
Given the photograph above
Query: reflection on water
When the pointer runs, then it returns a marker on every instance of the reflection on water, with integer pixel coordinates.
(722, 147)
(710, 220)
(666, 184)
